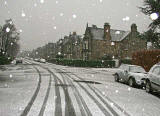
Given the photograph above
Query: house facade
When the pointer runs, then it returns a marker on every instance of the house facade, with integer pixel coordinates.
(99, 43)
(72, 46)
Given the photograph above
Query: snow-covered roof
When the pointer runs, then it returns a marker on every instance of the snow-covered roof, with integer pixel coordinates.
(116, 35)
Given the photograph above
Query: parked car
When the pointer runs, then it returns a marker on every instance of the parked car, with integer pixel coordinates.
(132, 75)
(36, 59)
(19, 61)
(153, 79)
(42, 60)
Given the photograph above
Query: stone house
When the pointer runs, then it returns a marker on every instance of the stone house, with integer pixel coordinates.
(72, 47)
(101, 42)
(58, 47)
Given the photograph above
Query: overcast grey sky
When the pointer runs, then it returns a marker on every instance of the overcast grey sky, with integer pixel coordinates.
(43, 21)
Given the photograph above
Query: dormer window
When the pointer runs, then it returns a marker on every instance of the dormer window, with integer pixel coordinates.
(85, 45)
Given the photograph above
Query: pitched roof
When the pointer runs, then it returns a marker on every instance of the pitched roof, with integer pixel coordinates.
(116, 35)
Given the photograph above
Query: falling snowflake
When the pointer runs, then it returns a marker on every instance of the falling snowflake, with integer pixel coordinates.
(126, 18)
(5, 2)
(20, 31)
(20, 109)
(6, 85)
(55, 97)
(107, 30)
(41, 1)
(100, 1)
(11, 43)
(57, 2)
(143, 109)
(154, 16)
(35, 5)
(113, 57)
(10, 22)
(7, 29)
(61, 14)
(111, 104)
(112, 43)
(116, 91)
(103, 93)
(10, 75)
(74, 16)
(23, 14)
(117, 32)
(55, 27)
(129, 89)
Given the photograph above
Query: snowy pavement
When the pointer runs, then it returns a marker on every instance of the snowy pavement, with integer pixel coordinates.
(48, 89)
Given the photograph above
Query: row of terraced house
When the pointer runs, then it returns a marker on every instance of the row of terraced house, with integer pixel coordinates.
(98, 43)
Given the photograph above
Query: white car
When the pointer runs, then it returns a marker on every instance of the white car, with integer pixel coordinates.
(131, 74)
(153, 79)
(42, 60)
(36, 59)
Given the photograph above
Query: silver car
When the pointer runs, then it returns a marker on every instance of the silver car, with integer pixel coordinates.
(131, 74)
(153, 79)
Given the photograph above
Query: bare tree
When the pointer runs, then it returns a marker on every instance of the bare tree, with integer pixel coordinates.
(10, 38)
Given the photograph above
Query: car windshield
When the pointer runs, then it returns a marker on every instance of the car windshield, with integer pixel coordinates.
(136, 69)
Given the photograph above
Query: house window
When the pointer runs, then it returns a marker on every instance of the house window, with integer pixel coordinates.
(86, 44)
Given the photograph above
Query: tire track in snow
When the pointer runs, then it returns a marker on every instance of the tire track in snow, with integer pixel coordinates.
(29, 105)
(102, 99)
(82, 105)
(69, 109)
(58, 106)
(105, 112)
(46, 98)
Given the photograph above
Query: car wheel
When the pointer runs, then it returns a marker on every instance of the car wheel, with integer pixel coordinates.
(131, 82)
(116, 77)
(148, 87)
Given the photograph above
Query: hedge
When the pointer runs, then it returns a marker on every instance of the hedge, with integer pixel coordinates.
(4, 60)
(125, 61)
(84, 63)
(146, 58)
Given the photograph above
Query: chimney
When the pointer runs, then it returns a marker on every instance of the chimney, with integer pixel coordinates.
(94, 26)
(74, 33)
(107, 35)
(133, 27)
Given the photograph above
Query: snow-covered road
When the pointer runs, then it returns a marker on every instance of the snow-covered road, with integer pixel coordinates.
(36, 89)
